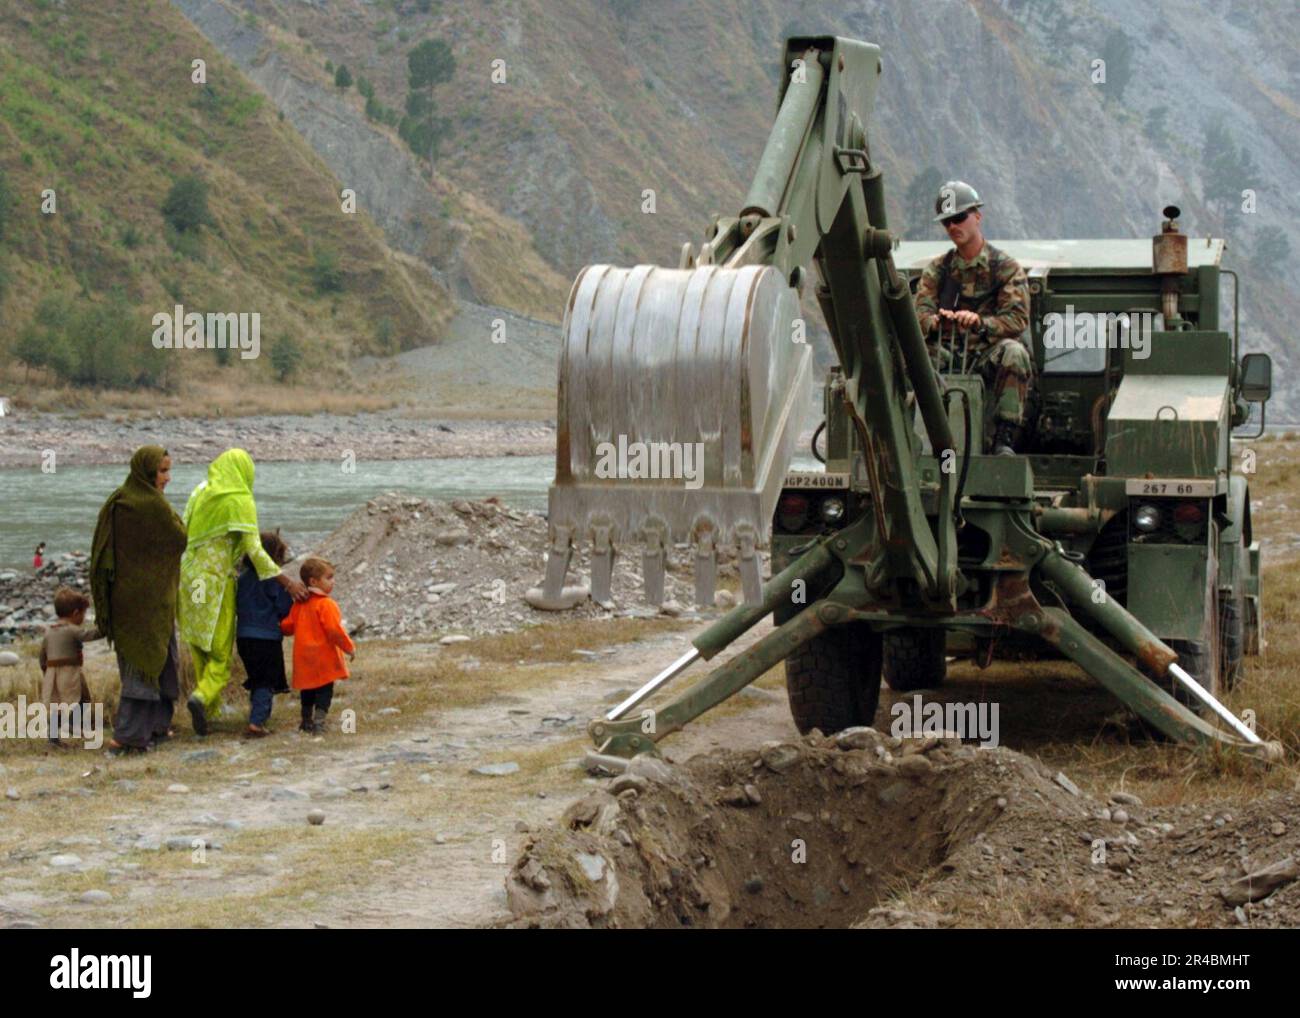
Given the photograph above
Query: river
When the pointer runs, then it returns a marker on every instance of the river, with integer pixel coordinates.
(306, 499)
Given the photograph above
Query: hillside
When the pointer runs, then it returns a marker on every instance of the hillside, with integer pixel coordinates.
(97, 104)
(604, 100)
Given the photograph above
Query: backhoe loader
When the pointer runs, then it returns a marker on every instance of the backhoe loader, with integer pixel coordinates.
(1118, 537)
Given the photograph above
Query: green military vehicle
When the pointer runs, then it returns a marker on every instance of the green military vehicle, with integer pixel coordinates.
(1118, 536)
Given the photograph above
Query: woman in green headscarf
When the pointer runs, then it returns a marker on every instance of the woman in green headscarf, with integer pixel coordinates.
(221, 523)
(134, 569)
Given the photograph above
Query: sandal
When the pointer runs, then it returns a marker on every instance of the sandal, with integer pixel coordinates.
(256, 732)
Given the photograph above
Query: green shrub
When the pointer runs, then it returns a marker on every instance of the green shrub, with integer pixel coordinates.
(103, 343)
(325, 272)
(343, 78)
(286, 355)
(186, 204)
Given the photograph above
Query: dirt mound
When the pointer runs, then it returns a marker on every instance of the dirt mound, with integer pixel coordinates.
(864, 830)
(410, 565)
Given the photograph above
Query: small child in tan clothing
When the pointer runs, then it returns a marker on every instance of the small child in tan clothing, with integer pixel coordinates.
(63, 683)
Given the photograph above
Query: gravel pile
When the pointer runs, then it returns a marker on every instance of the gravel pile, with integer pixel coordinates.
(27, 597)
(411, 566)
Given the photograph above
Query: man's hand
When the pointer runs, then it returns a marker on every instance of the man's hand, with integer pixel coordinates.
(966, 319)
(352, 655)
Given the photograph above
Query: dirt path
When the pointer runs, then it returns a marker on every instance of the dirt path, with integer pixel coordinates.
(410, 836)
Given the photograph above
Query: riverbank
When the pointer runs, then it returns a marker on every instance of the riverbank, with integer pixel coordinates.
(27, 440)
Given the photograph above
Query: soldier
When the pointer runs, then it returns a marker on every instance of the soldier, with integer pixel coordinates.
(980, 290)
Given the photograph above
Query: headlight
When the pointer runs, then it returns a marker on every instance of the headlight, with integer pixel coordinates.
(1147, 518)
(832, 509)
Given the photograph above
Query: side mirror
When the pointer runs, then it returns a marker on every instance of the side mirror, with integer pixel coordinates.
(1256, 378)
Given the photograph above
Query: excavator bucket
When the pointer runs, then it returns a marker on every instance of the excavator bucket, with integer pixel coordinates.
(681, 395)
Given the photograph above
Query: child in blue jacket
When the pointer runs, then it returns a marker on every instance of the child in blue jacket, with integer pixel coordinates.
(259, 607)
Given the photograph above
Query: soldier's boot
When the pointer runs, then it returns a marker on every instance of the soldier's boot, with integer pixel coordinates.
(1005, 438)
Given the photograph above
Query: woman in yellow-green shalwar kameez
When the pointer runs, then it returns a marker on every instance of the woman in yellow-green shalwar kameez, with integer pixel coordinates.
(221, 523)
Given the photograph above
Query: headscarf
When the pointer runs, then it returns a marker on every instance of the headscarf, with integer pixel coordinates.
(224, 502)
(135, 564)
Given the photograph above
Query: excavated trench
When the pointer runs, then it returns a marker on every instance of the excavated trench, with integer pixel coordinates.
(812, 833)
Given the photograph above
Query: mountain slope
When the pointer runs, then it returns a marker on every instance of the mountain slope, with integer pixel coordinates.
(98, 105)
(605, 100)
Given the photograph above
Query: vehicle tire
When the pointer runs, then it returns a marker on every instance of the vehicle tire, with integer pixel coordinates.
(833, 680)
(1232, 637)
(1202, 660)
(1250, 641)
(914, 659)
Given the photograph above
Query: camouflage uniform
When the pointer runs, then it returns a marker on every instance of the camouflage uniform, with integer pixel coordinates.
(1004, 310)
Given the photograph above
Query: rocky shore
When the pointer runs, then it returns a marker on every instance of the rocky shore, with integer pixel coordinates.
(91, 441)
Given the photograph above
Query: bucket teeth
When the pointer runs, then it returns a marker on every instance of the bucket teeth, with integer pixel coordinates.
(706, 571)
(751, 579)
(602, 567)
(557, 563)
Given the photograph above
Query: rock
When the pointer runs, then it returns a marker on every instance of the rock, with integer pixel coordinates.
(569, 598)
(439, 589)
(1066, 783)
(279, 765)
(316, 817)
(1124, 799)
(752, 794)
(178, 789)
(724, 599)
(387, 712)
(1277, 829)
(147, 844)
(780, 757)
(447, 641)
(914, 765)
(65, 861)
(200, 756)
(8, 658)
(451, 538)
(12, 794)
(625, 782)
(857, 737)
(1120, 816)
(287, 794)
(494, 770)
(593, 866)
(1262, 882)
(652, 768)
(96, 897)
(671, 608)
(754, 884)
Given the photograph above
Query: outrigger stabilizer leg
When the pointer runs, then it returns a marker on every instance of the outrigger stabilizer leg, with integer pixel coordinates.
(616, 734)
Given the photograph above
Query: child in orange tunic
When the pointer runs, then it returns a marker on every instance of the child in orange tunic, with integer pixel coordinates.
(319, 644)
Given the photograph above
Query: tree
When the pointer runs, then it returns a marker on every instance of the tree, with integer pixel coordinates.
(325, 272)
(1154, 125)
(6, 204)
(343, 78)
(1117, 51)
(366, 87)
(429, 65)
(1228, 169)
(286, 354)
(186, 204)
